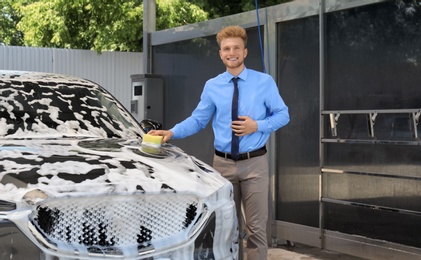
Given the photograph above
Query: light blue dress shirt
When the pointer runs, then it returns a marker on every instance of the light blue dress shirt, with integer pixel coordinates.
(259, 99)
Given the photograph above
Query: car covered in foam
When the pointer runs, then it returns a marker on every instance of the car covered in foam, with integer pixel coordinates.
(76, 181)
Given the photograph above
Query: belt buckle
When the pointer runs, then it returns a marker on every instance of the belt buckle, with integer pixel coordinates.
(248, 155)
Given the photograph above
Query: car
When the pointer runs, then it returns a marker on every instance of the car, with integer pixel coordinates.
(78, 182)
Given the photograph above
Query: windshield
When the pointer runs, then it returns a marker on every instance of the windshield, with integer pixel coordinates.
(34, 108)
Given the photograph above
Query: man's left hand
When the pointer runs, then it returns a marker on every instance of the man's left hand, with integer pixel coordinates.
(244, 126)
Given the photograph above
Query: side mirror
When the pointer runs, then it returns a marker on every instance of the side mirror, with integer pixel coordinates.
(148, 125)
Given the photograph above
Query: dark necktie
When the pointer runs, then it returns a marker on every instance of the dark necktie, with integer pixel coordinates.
(234, 113)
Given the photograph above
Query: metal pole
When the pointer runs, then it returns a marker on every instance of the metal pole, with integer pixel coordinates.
(321, 118)
(270, 44)
(149, 25)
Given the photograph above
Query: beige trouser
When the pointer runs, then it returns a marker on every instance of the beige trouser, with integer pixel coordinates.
(250, 179)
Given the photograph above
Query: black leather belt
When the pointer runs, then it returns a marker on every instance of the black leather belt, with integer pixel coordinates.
(243, 156)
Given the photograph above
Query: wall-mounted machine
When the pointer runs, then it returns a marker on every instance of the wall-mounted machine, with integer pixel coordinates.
(148, 97)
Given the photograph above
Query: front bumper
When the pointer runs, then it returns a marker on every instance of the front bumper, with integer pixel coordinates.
(212, 234)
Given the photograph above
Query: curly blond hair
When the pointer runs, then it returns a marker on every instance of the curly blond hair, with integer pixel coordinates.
(230, 32)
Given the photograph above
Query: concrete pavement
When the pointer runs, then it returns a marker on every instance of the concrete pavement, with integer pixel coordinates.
(304, 252)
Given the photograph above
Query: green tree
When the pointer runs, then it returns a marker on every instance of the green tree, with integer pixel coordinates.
(9, 34)
(98, 24)
(83, 24)
(173, 13)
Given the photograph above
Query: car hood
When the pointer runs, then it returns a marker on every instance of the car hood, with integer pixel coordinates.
(74, 167)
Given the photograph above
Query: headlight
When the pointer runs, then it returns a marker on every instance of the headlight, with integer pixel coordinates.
(34, 196)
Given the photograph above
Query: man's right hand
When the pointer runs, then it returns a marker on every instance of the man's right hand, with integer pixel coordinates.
(166, 134)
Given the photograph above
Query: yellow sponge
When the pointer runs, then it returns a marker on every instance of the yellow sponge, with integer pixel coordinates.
(152, 140)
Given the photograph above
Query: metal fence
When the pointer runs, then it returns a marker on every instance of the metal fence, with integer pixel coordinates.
(111, 70)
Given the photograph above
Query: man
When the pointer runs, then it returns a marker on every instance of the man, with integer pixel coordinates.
(261, 111)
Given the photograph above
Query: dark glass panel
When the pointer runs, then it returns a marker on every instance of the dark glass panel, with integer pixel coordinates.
(374, 223)
(374, 56)
(373, 60)
(298, 143)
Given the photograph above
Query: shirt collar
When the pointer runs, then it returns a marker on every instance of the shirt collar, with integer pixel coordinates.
(243, 75)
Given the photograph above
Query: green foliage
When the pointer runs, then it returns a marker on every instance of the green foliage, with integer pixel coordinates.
(115, 25)
(173, 13)
(9, 34)
(83, 24)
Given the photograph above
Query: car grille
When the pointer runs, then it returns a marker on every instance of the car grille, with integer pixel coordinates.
(115, 221)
